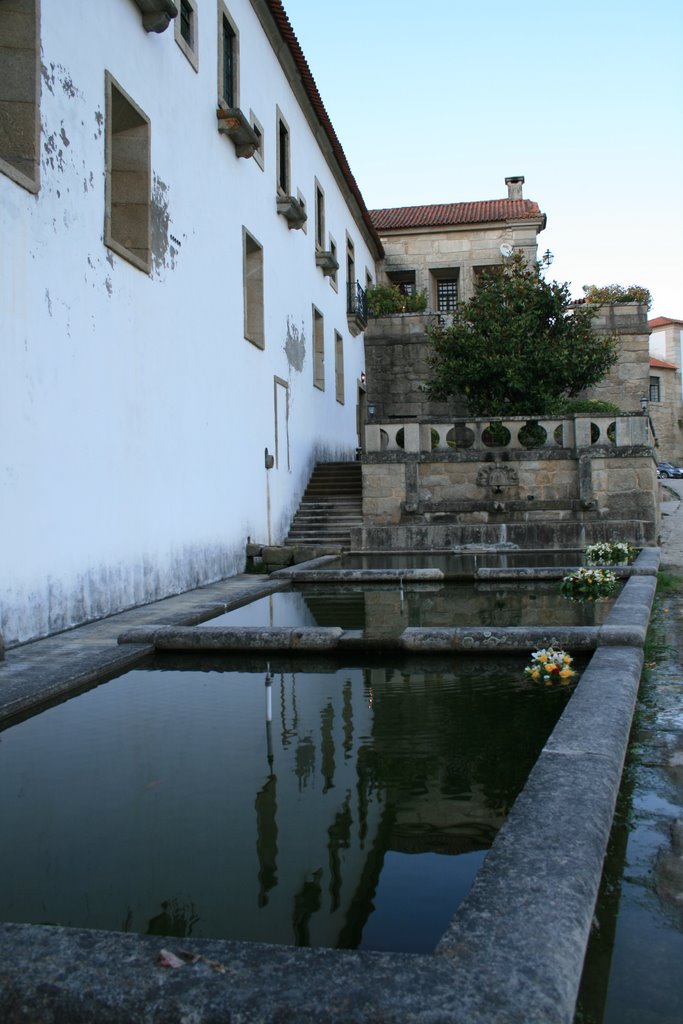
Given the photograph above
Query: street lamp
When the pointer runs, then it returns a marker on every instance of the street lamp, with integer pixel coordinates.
(547, 258)
(643, 404)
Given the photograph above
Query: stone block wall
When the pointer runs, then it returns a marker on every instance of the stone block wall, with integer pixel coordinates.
(430, 252)
(397, 355)
(572, 486)
(629, 378)
(397, 366)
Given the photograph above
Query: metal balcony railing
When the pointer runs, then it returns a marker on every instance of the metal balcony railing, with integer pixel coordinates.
(356, 302)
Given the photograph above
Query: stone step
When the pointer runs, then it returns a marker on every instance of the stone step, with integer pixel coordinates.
(331, 505)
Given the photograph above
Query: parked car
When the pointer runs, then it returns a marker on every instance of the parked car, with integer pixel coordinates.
(667, 470)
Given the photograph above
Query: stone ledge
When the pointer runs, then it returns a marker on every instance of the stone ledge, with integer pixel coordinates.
(242, 638)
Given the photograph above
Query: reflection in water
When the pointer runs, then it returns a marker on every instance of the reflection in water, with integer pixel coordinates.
(176, 918)
(293, 827)
(387, 609)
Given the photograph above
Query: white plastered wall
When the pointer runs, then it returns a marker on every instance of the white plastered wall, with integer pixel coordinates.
(134, 414)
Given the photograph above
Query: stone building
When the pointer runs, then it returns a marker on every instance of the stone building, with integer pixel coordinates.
(441, 249)
(665, 391)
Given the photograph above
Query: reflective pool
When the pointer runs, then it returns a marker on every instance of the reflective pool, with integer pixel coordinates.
(389, 609)
(349, 808)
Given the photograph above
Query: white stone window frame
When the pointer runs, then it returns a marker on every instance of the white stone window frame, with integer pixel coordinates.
(282, 188)
(253, 289)
(259, 154)
(334, 276)
(224, 13)
(191, 49)
(24, 90)
(302, 199)
(117, 181)
(351, 278)
(339, 367)
(318, 322)
(319, 193)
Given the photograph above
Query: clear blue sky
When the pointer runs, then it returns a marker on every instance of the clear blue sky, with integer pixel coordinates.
(440, 100)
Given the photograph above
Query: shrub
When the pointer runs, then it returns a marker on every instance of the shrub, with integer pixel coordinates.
(386, 299)
(601, 294)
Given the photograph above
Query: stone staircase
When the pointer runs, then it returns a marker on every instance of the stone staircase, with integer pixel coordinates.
(331, 506)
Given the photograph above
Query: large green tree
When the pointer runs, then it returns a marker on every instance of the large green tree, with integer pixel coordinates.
(518, 347)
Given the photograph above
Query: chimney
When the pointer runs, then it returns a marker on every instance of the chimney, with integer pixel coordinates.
(515, 186)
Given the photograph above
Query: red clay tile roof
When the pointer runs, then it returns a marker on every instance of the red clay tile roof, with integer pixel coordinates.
(660, 364)
(662, 321)
(451, 214)
(287, 33)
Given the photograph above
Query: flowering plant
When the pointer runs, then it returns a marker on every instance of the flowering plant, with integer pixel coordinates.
(551, 665)
(609, 553)
(587, 584)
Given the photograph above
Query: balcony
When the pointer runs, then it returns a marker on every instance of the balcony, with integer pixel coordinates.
(233, 123)
(292, 209)
(327, 261)
(157, 14)
(356, 308)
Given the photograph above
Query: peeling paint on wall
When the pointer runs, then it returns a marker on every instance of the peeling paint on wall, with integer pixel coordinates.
(48, 301)
(163, 252)
(58, 74)
(53, 156)
(295, 346)
(99, 118)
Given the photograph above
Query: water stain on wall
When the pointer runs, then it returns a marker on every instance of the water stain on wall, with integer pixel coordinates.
(164, 251)
(295, 346)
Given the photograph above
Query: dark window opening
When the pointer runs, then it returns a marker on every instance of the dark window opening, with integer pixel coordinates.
(283, 157)
(186, 13)
(655, 394)
(228, 63)
(446, 294)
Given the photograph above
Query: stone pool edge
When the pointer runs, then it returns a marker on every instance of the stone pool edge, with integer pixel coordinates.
(513, 952)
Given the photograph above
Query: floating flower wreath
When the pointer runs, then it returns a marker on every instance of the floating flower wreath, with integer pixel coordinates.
(551, 665)
(609, 553)
(587, 584)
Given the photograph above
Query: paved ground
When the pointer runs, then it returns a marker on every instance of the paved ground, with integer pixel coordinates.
(37, 673)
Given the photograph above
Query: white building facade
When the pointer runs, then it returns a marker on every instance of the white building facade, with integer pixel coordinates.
(171, 325)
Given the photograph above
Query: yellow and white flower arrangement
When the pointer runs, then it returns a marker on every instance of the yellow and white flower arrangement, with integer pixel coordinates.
(551, 665)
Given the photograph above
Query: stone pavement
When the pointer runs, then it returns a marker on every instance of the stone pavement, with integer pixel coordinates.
(36, 673)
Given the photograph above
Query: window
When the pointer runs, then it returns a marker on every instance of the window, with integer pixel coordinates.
(446, 294)
(127, 225)
(350, 263)
(655, 391)
(339, 367)
(404, 281)
(318, 350)
(283, 179)
(302, 203)
(20, 93)
(319, 216)
(258, 131)
(333, 254)
(228, 59)
(253, 291)
(185, 30)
